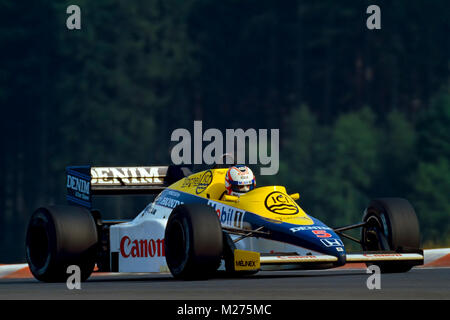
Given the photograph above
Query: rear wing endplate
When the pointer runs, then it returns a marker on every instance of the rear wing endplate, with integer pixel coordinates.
(85, 181)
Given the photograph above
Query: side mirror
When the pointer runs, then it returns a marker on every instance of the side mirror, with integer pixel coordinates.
(294, 196)
(230, 198)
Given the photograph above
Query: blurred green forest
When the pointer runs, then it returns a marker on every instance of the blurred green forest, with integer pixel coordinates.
(362, 113)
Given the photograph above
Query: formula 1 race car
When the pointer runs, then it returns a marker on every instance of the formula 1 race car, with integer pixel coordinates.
(195, 230)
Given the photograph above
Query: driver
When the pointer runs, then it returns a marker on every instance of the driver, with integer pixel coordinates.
(239, 180)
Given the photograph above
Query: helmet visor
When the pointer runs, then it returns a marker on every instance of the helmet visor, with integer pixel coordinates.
(241, 188)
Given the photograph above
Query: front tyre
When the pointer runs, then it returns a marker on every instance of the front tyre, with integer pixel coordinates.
(391, 225)
(60, 236)
(193, 242)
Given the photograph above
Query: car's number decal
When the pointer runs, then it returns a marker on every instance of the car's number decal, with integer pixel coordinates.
(321, 233)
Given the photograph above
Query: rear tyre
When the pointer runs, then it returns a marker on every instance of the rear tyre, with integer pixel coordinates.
(193, 242)
(60, 236)
(391, 225)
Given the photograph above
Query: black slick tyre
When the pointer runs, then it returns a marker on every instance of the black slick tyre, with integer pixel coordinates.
(391, 225)
(193, 242)
(60, 236)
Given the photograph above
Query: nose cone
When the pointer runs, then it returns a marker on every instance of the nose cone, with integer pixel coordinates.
(272, 202)
(287, 221)
(320, 238)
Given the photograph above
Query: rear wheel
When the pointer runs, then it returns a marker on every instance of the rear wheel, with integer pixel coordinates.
(193, 242)
(60, 236)
(391, 225)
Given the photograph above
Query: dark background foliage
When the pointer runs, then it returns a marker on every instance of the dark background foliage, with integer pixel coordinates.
(362, 113)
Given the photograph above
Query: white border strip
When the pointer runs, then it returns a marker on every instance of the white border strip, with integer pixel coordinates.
(11, 268)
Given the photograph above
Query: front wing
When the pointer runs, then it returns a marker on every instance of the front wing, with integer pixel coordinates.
(283, 262)
(312, 261)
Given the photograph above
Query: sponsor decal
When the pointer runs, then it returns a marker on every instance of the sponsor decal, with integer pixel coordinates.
(380, 255)
(287, 218)
(192, 181)
(228, 216)
(168, 202)
(280, 203)
(172, 193)
(141, 248)
(246, 260)
(332, 242)
(305, 228)
(297, 257)
(245, 263)
(80, 187)
(128, 175)
(204, 182)
(200, 182)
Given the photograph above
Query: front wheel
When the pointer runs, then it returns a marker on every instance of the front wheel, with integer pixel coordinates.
(391, 225)
(193, 242)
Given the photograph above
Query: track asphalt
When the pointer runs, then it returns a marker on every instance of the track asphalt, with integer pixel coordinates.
(419, 283)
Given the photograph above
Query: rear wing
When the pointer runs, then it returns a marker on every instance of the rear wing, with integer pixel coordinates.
(85, 181)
